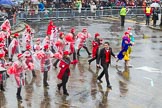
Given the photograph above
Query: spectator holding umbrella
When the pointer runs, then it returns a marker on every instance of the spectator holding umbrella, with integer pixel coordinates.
(155, 17)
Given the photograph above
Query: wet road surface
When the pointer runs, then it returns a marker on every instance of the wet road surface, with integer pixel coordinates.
(136, 87)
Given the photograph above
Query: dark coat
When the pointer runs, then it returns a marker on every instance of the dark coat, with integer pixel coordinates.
(155, 14)
(102, 56)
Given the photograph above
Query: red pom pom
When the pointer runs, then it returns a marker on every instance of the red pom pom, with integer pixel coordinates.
(57, 55)
(69, 37)
(58, 43)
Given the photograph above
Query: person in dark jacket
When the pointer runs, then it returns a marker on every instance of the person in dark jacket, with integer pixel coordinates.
(155, 17)
(105, 58)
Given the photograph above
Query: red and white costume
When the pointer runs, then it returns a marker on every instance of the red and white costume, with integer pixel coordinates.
(3, 63)
(37, 47)
(28, 57)
(17, 69)
(14, 47)
(81, 38)
(45, 59)
(7, 28)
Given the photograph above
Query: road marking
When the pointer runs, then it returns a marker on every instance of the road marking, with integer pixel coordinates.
(151, 81)
(149, 69)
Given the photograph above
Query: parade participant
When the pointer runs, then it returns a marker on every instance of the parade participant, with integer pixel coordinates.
(17, 69)
(29, 59)
(83, 35)
(132, 40)
(125, 51)
(26, 38)
(60, 44)
(37, 47)
(2, 66)
(64, 72)
(72, 46)
(46, 40)
(50, 28)
(123, 13)
(148, 12)
(95, 48)
(105, 57)
(46, 63)
(6, 28)
(14, 47)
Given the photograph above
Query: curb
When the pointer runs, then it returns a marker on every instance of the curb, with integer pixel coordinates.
(21, 27)
(154, 28)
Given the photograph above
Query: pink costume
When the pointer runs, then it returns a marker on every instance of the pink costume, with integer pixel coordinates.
(17, 69)
(14, 47)
(29, 59)
(7, 28)
(2, 64)
(45, 59)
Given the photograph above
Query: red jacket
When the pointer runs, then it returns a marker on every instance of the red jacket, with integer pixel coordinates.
(63, 67)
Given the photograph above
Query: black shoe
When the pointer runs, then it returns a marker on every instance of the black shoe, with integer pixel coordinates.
(19, 97)
(7, 76)
(66, 93)
(99, 80)
(109, 86)
(46, 84)
(89, 62)
(78, 54)
(59, 87)
(54, 66)
(98, 67)
(2, 89)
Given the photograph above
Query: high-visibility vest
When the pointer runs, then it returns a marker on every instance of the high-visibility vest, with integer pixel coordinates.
(123, 11)
(148, 10)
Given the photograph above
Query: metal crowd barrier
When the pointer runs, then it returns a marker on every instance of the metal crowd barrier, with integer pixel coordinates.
(73, 13)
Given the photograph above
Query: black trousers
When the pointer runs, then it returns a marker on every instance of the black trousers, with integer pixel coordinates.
(74, 55)
(154, 22)
(56, 62)
(105, 71)
(18, 91)
(122, 20)
(85, 47)
(147, 20)
(45, 76)
(64, 81)
(95, 58)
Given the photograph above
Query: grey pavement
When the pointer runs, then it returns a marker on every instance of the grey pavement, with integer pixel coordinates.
(136, 87)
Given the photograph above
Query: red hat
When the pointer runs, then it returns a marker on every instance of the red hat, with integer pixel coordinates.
(72, 30)
(46, 46)
(129, 28)
(84, 30)
(19, 56)
(97, 34)
(16, 35)
(1, 45)
(126, 33)
(4, 28)
(51, 22)
(38, 39)
(28, 30)
(61, 33)
(66, 53)
(28, 47)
